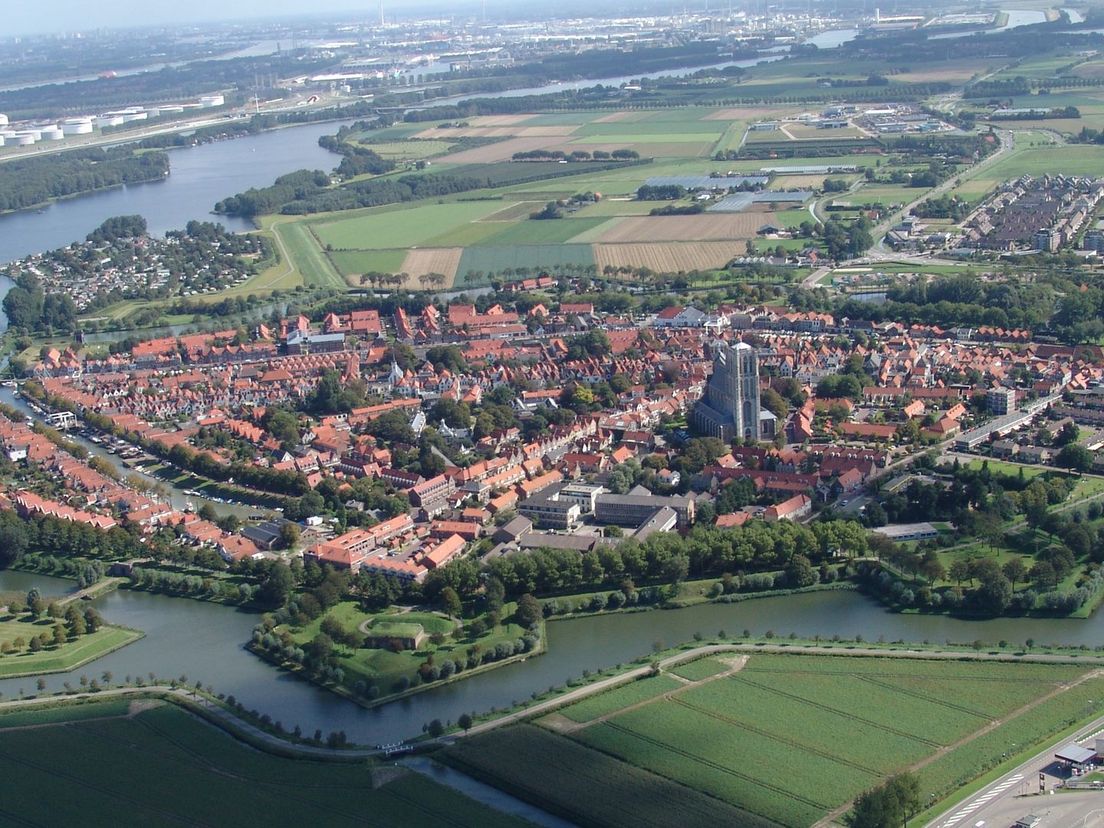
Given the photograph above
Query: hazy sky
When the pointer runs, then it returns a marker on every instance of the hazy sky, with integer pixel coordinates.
(74, 15)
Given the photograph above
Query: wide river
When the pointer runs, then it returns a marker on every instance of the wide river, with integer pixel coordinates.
(204, 642)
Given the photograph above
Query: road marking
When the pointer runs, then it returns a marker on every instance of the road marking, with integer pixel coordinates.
(981, 801)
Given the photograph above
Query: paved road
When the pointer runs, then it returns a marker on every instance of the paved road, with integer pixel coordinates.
(1016, 794)
(880, 252)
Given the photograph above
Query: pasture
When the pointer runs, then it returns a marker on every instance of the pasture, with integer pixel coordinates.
(793, 738)
(161, 766)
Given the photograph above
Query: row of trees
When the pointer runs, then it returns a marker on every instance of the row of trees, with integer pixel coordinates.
(663, 558)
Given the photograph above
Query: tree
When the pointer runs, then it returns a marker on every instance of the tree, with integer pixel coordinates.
(74, 620)
(465, 722)
(773, 402)
(800, 572)
(450, 600)
(1067, 434)
(528, 612)
(960, 571)
(436, 728)
(1074, 458)
(494, 595)
(888, 806)
(289, 535)
(276, 587)
(1014, 570)
(932, 568)
(92, 619)
(994, 593)
(13, 539)
(1043, 574)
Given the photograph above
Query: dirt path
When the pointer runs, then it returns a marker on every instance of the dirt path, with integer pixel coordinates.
(836, 814)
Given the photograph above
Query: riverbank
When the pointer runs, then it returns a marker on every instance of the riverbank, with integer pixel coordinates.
(42, 205)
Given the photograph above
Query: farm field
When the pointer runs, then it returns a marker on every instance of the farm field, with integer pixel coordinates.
(704, 227)
(160, 765)
(562, 777)
(472, 237)
(666, 257)
(400, 228)
(792, 738)
(409, 150)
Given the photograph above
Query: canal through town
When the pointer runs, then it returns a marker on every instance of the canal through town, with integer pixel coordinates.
(205, 642)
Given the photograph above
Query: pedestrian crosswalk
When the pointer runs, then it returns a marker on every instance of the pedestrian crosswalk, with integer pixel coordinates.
(982, 800)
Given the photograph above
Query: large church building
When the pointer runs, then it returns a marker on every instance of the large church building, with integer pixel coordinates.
(729, 409)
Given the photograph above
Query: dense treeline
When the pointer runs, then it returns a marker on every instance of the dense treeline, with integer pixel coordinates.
(660, 192)
(1051, 304)
(254, 125)
(356, 160)
(49, 535)
(34, 181)
(28, 307)
(119, 227)
(664, 557)
(945, 206)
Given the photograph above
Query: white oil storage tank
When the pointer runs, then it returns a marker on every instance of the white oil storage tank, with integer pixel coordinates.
(211, 101)
(52, 133)
(76, 126)
(3, 120)
(24, 139)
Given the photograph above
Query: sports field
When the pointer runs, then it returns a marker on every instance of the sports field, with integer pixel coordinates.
(103, 764)
(791, 739)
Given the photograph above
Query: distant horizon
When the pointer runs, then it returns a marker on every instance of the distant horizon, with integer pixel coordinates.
(78, 16)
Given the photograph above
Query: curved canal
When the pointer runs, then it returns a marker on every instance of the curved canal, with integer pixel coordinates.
(205, 642)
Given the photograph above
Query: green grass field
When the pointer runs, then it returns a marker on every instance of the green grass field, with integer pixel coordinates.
(789, 738)
(162, 766)
(410, 150)
(53, 659)
(415, 226)
(367, 261)
(490, 259)
(555, 231)
(1068, 159)
(306, 259)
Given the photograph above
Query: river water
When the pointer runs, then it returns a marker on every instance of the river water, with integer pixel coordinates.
(200, 176)
(205, 642)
